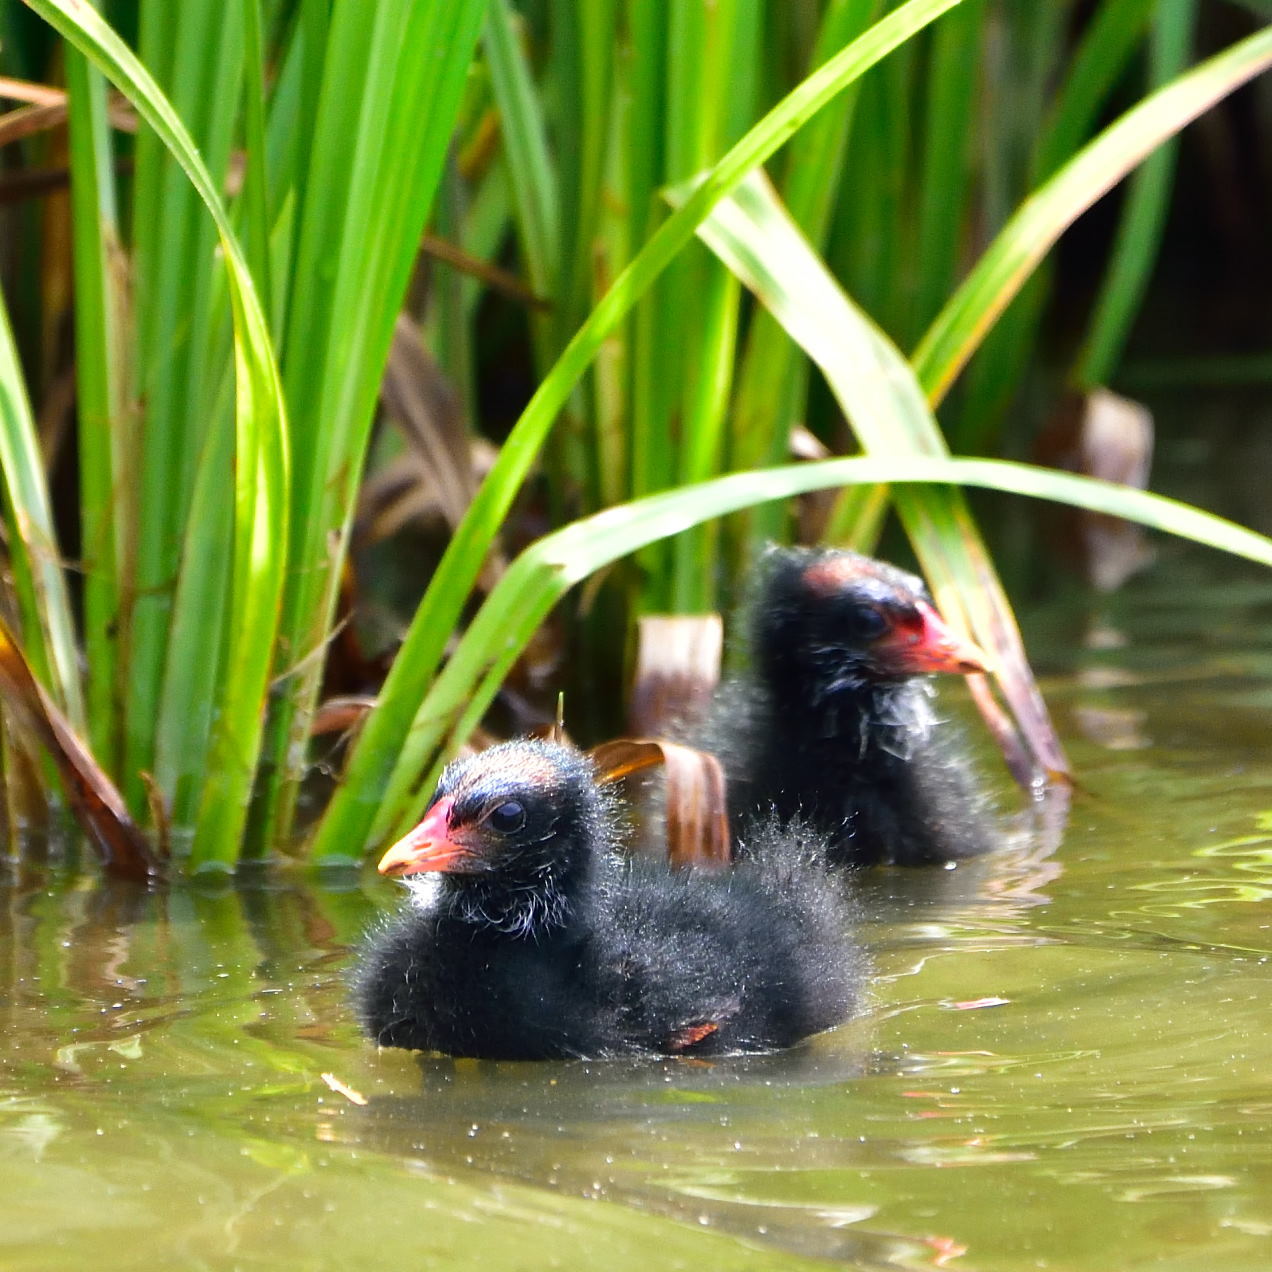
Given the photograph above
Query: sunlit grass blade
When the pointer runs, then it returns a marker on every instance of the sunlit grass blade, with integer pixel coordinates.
(889, 416)
(545, 571)
(1029, 235)
(260, 524)
(260, 464)
(389, 753)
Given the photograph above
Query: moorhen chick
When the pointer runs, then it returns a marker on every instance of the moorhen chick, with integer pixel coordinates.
(835, 723)
(534, 939)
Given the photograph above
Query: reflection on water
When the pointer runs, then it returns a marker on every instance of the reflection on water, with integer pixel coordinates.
(1064, 1062)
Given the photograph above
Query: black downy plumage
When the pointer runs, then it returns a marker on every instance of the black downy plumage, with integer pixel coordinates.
(535, 939)
(836, 723)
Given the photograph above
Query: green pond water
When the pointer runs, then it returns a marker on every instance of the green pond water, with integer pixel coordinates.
(1065, 1061)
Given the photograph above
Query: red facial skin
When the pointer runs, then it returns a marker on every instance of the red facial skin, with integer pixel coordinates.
(918, 641)
(431, 846)
(925, 643)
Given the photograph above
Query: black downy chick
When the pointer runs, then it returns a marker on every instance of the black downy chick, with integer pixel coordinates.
(836, 722)
(536, 940)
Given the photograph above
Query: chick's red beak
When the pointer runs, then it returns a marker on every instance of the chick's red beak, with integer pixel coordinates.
(929, 645)
(429, 847)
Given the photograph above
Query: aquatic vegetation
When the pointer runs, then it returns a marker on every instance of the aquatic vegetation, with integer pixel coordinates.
(238, 282)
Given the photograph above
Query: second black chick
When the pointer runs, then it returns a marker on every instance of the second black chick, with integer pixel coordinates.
(836, 724)
(537, 940)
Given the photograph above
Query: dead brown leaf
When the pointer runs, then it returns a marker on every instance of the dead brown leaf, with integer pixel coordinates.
(697, 816)
(418, 396)
(96, 802)
(677, 670)
(339, 715)
(495, 278)
(1100, 435)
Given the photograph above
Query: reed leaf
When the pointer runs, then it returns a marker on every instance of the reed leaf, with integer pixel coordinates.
(1087, 79)
(772, 381)
(101, 386)
(524, 134)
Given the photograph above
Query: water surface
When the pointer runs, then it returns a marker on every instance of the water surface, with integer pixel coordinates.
(1065, 1061)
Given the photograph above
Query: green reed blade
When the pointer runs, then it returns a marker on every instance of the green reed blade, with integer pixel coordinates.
(255, 194)
(524, 136)
(1089, 76)
(101, 374)
(949, 135)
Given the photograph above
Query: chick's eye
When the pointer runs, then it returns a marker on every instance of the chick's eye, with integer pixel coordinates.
(868, 623)
(508, 817)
